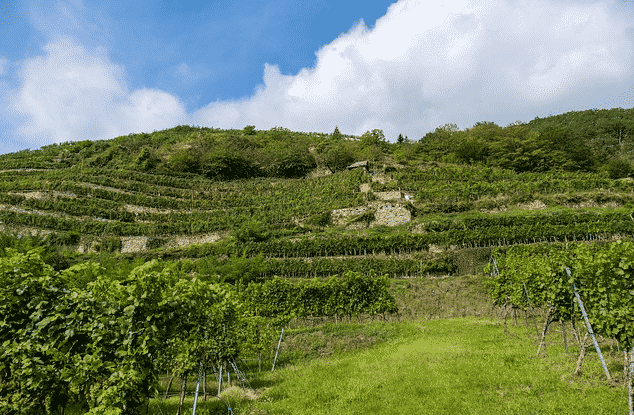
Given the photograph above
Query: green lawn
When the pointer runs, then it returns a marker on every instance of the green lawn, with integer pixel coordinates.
(440, 366)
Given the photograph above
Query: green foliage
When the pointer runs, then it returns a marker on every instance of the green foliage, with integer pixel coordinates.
(619, 168)
(226, 163)
(291, 161)
(187, 160)
(336, 134)
(79, 336)
(111, 244)
(241, 269)
(439, 142)
(321, 219)
(251, 231)
(336, 156)
(70, 238)
(249, 130)
(601, 276)
(146, 160)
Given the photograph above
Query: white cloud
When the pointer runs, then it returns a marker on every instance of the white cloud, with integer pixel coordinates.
(73, 94)
(425, 64)
(422, 65)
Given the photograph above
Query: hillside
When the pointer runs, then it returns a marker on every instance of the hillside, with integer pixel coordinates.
(283, 203)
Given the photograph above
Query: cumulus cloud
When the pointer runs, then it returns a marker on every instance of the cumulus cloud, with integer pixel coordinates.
(425, 64)
(73, 94)
(422, 65)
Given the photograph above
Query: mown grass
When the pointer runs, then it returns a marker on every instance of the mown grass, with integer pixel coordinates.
(432, 361)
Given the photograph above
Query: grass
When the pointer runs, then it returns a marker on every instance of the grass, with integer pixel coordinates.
(432, 361)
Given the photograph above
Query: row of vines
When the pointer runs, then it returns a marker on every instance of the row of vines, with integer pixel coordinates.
(598, 277)
(99, 342)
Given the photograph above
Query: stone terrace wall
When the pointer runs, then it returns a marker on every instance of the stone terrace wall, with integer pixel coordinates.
(394, 194)
(392, 215)
(340, 215)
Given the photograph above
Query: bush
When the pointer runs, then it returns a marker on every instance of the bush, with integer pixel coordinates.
(111, 244)
(185, 161)
(249, 130)
(252, 231)
(226, 164)
(321, 219)
(292, 162)
(154, 243)
(618, 168)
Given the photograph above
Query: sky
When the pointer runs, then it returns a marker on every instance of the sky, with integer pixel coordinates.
(84, 69)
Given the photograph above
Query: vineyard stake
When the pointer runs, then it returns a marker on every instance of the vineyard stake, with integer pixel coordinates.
(219, 380)
(628, 378)
(278, 349)
(594, 340)
(197, 387)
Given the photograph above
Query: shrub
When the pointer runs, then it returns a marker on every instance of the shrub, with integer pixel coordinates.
(618, 168)
(321, 219)
(111, 244)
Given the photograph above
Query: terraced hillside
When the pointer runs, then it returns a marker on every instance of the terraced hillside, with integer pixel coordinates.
(290, 198)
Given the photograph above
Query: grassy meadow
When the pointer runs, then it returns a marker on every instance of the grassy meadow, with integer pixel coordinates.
(447, 353)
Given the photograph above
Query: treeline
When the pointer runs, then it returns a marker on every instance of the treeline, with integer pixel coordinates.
(591, 141)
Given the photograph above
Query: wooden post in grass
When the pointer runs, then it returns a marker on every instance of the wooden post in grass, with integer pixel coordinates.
(582, 353)
(628, 379)
(169, 385)
(549, 319)
(531, 308)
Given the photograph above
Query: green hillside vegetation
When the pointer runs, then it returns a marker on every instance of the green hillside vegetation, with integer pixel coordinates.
(215, 195)
(204, 214)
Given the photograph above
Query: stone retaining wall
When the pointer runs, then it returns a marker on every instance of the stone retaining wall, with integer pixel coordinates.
(392, 215)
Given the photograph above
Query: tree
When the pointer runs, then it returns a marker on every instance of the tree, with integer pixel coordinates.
(336, 134)
(618, 168)
(374, 145)
(336, 156)
(249, 130)
(440, 142)
(400, 139)
(290, 161)
(226, 163)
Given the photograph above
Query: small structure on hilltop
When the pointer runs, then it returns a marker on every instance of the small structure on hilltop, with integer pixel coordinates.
(360, 165)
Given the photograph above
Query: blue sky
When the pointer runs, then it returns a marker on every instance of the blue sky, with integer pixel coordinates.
(75, 70)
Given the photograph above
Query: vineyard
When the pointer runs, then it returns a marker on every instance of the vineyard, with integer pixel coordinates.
(185, 250)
